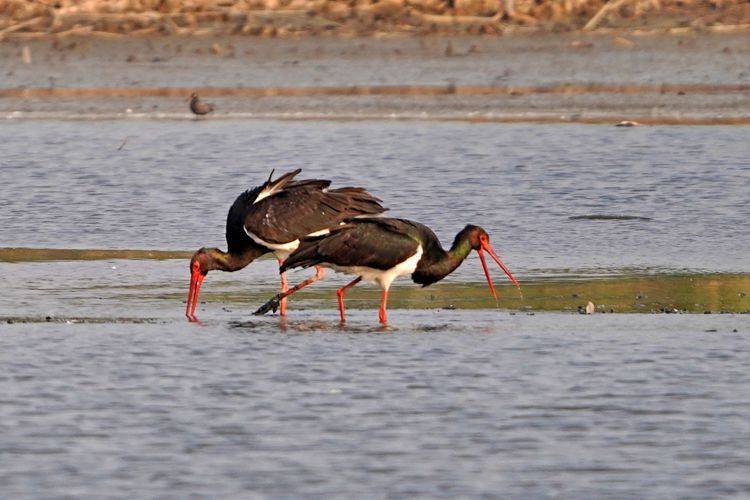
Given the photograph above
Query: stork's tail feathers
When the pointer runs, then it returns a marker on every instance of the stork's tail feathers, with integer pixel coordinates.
(270, 187)
(279, 183)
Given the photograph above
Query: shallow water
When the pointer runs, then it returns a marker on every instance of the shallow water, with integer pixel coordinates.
(117, 290)
(455, 403)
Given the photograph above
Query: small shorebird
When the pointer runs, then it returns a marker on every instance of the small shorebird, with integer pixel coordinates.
(272, 218)
(382, 249)
(198, 107)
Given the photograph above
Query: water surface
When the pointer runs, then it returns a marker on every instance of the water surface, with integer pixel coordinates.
(456, 403)
(106, 390)
(171, 184)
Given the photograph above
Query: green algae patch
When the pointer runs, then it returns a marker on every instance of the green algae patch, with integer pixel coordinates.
(20, 254)
(729, 293)
(660, 293)
(619, 291)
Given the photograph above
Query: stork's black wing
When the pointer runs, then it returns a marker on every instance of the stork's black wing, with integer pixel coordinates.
(283, 210)
(375, 243)
(306, 207)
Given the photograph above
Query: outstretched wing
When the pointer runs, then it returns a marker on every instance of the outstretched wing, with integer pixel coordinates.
(375, 243)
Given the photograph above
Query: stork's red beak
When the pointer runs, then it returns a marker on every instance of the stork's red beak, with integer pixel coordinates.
(480, 251)
(196, 280)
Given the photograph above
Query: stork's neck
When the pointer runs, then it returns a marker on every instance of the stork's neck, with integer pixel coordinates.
(230, 262)
(442, 263)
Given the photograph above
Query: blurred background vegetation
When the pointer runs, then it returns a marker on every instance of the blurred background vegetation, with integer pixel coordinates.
(20, 19)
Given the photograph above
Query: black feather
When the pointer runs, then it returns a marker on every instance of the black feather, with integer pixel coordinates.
(294, 210)
(369, 242)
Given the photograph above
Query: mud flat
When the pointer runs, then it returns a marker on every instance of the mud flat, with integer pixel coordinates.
(694, 78)
(105, 283)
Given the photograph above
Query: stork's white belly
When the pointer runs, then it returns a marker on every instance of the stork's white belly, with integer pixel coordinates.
(282, 250)
(378, 276)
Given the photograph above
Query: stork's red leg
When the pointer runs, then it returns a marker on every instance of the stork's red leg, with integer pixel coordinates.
(284, 288)
(340, 294)
(383, 304)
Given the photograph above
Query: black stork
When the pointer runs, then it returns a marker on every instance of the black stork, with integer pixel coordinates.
(382, 249)
(198, 107)
(272, 218)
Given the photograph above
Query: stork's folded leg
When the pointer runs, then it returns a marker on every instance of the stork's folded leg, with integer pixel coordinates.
(340, 293)
(277, 300)
(319, 273)
(383, 303)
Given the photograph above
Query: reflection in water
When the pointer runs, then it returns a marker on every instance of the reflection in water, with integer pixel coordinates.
(287, 325)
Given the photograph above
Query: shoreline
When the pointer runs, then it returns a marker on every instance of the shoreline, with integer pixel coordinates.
(371, 90)
(607, 119)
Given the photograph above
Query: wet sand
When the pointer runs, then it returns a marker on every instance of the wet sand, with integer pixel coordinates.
(695, 78)
(124, 286)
